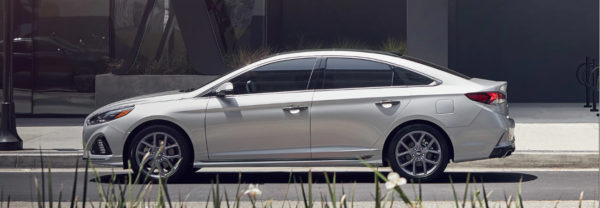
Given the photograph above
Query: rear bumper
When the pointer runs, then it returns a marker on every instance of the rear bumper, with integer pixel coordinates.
(506, 145)
(502, 152)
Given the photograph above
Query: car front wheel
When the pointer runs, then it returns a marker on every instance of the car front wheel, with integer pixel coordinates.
(418, 152)
(161, 152)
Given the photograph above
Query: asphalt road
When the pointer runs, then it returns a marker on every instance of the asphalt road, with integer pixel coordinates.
(537, 185)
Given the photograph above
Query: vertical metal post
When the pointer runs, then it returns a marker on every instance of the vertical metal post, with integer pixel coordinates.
(111, 29)
(9, 139)
(598, 115)
(587, 89)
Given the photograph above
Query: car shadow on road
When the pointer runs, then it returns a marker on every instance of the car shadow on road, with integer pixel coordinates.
(319, 177)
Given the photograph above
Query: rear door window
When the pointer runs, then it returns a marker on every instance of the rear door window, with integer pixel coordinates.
(355, 73)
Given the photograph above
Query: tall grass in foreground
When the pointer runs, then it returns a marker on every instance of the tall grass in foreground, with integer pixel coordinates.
(136, 191)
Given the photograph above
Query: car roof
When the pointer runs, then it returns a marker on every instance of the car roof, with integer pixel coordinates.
(333, 51)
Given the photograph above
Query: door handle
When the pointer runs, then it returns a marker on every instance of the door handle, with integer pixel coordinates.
(295, 109)
(387, 103)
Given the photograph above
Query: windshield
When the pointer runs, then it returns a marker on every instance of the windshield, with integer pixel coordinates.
(445, 69)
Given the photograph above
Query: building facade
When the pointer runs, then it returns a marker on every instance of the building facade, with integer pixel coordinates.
(62, 45)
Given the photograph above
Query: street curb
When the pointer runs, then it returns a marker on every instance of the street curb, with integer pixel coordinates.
(517, 160)
(537, 160)
(29, 159)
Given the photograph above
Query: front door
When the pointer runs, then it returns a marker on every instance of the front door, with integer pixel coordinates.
(267, 117)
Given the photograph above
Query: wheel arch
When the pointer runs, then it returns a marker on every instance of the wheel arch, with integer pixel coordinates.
(412, 122)
(144, 125)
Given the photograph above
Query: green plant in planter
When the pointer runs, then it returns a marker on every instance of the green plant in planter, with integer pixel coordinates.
(175, 64)
(242, 57)
(394, 46)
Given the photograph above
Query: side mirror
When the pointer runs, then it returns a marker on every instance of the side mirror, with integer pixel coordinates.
(224, 89)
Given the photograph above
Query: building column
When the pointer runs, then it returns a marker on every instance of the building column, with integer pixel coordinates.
(427, 35)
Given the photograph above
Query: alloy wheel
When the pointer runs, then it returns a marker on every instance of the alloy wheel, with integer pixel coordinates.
(164, 154)
(418, 153)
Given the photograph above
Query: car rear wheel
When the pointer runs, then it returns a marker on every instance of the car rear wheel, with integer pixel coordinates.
(161, 152)
(418, 152)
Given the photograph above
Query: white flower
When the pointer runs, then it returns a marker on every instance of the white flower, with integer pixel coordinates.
(253, 191)
(394, 180)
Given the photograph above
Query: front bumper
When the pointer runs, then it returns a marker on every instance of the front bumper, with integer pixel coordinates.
(114, 140)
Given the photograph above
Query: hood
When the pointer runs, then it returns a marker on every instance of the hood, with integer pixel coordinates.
(149, 98)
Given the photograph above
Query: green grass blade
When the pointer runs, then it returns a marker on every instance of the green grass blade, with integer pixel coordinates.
(420, 199)
(226, 197)
(310, 183)
(39, 195)
(101, 193)
(353, 194)
(60, 193)
(287, 190)
(580, 199)
(50, 194)
(43, 180)
(216, 193)
(237, 192)
(377, 192)
(453, 191)
(304, 198)
(74, 191)
(519, 197)
(403, 196)
(209, 194)
(466, 190)
(485, 195)
(331, 189)
(85, 182)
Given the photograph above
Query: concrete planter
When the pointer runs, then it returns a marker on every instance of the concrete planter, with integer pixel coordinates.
(111, 88)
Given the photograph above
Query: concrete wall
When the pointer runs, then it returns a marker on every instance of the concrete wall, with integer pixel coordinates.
(533, 44)
(111, 88)
(331, 21)
(427, 30)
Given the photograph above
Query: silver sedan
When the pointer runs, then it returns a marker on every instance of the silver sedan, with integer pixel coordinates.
(314, 108)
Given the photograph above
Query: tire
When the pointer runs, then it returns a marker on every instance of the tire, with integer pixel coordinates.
(177, 147)
(419, 163)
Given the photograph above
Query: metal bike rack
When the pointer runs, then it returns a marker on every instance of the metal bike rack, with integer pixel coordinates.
(592, 84)
(584, 76)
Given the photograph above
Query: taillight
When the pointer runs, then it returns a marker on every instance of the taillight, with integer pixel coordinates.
(487, 97)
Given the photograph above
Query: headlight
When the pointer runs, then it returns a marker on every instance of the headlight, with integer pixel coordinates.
(109, 115)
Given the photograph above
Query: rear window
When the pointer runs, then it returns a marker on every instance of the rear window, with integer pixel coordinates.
(436, 66)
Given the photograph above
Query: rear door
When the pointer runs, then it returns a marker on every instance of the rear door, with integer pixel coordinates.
(355, 105)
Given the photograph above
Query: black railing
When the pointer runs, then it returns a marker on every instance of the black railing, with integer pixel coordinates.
(587, 75)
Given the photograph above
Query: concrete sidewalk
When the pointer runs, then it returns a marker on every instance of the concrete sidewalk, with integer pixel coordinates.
(548, 135)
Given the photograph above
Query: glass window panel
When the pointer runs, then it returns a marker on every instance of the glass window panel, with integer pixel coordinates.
(351, 73)
(286, 75)
(407, 77)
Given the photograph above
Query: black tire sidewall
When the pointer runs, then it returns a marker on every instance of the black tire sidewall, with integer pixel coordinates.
(445, 148)
(185, 166)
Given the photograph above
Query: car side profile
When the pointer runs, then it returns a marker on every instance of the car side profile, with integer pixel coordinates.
(311, 108)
